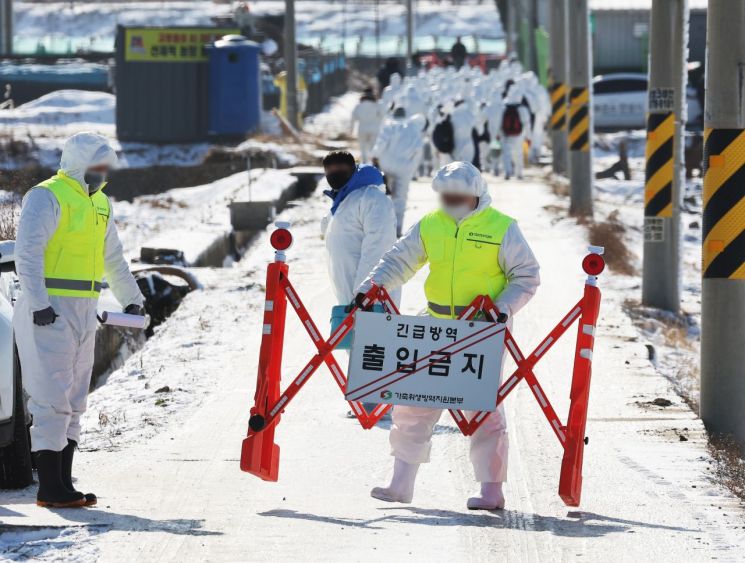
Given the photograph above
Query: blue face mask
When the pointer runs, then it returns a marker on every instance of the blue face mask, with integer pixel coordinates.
(94, 180)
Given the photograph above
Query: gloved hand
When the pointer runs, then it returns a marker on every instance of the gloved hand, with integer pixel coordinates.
(135, 309)
(502, 318)
(358, 301)
(45, 317)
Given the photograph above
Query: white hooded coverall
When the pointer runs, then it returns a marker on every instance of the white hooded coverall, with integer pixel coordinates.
(411, 434)
(357, 235)
(392, 91)
(368, 115)
(512, 145)
(399, 151)
(463, 120)
(57, 359)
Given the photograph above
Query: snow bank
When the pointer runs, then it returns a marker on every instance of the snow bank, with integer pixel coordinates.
(675, 338)
(336, 118)
(64, 107)
(192, 219)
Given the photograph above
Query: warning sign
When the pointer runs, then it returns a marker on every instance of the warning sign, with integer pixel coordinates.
(174, 44)
(425, 362)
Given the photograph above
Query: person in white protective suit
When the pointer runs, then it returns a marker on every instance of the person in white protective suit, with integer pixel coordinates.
(514, 128)
(361, 225)
(506, 270)
(540, 103)
(463, 119)
(391, 92)
(359, 228)
(67, 243)
(412, 101)
(397, 152)
(494, 111)
(368, 116)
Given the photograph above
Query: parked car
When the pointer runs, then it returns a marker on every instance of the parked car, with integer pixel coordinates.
(15, 452)
(620, 102)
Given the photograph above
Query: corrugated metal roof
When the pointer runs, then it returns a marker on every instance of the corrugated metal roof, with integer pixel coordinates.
(639, 4)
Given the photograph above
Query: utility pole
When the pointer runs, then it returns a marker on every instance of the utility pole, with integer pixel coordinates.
(377, 32)
(409, 36)
(580, 108)
(291, 63)
(723, 297)
(6, 27)
(558, 86)
(532, 22)
(665, 174)
(518, 19)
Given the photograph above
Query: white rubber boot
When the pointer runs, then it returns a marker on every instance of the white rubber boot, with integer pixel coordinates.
(490, 498)
(401, 488)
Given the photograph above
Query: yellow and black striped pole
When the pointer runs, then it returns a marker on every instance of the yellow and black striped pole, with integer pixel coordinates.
(723, 236)
(558, 93)
(579, 114)
(579, 119)
(558, 87)
(660, 169)
(664, 173)
(724, 204)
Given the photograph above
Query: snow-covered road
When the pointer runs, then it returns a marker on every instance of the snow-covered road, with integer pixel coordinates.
(171, 489)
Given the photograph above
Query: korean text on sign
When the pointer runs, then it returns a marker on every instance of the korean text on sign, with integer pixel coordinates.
(424, 361)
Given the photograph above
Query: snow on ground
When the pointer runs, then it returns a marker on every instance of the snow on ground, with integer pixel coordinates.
(336, 119)
(677, 348)
(192, 219)
(97, 21)
(165, 464)
(46, 122)
(63, 107)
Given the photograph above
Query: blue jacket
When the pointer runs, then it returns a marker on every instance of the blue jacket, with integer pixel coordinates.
(365, 175)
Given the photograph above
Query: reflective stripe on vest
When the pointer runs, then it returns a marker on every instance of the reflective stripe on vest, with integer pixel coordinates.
(74, 257)
(78, 285)
(444, 310)
(463, 259)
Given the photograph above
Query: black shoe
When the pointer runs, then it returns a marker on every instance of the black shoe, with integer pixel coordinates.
(52, 493)
(67, 455)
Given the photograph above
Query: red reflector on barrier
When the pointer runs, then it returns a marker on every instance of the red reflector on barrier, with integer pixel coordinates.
(281, 239)
(593, 264)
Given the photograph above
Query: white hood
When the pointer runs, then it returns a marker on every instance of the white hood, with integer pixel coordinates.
(462, 178)
(84, 150)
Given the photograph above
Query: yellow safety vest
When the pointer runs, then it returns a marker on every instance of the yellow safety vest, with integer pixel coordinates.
(74, 257)
(463, 259)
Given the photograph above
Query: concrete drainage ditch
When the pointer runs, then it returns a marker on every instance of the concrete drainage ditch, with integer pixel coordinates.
(159, 267)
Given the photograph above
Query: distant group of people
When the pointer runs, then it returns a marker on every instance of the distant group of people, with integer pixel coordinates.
(452, 114)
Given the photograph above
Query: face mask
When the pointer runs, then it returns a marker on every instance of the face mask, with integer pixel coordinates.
(337, 180)
(457, 212)
(94, 180)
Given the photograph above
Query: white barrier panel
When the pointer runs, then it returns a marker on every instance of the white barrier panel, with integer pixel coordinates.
(425, 362)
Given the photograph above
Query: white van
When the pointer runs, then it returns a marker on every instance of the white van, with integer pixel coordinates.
(15, 452)
(619, 102)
